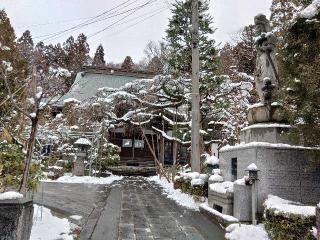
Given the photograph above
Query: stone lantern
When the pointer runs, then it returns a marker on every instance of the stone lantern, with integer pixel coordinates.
(253, 176)
(83, 146)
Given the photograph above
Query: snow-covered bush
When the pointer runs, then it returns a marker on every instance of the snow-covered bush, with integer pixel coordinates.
(192, 183)
(110, 156)
(288, 220)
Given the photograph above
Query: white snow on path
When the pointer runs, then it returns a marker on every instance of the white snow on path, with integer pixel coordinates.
(49, 227)
(246, 232)
(87, 179)
(179, 197)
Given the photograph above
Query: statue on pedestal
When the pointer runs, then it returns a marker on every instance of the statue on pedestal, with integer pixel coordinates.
(266, 73)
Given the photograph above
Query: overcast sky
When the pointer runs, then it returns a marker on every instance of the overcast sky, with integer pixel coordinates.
(122, 37)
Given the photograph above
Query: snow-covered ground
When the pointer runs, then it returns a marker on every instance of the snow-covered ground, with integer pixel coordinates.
(179, 197)
(87, 179)
(49, 227)
(246, 232)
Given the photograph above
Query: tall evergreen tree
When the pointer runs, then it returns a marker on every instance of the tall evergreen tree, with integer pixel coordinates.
(82, 51)
(9, 55)
(25, 48)
(98, 59)
(300, 77)
(179, 38)
(127, 64)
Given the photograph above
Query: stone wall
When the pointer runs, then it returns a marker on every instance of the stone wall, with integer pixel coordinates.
(16, 219)
(284, 172)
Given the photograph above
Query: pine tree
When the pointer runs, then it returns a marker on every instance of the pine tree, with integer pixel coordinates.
(69, 47)
(179, 38)
(300, 77)
(10, 55)
(25, 48)
(98, 59)
(82, 52)
(127, 64)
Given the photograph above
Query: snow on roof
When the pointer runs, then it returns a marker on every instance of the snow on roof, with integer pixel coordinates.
(311, 11)
(212, 160)
(286, 207)
(10, 195)
(252, 167)
(70, 100)
(83, 141)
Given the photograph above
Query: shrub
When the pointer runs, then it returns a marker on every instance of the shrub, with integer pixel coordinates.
(11, 168)
(288, 220)
(109, 156)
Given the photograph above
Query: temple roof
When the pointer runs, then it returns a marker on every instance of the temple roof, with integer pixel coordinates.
(90, 79)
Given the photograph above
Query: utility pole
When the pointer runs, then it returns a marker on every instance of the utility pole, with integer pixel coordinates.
(195, 131)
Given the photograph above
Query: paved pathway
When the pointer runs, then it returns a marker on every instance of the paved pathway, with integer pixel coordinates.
(137, 210)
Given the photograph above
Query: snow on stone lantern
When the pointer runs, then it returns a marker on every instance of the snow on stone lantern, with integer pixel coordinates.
(83, 146)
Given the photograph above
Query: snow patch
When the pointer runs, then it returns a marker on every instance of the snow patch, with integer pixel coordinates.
(286, 207)
(267, 125)
(223, 187)
(88, 180)
(83, 141)
(49, 227)
(263, 144)
(252, 167)
(179, 197)
(311, 11)
(10, 195)
(245, 232)
(227, 218)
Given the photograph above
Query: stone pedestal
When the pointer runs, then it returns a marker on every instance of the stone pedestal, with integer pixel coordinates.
(242, 207)
(266, 132)
(260, 113)
(78, 165)
(16, 219)
(285, 171)
(221, 202)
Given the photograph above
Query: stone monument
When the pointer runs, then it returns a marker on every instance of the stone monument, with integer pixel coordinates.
(83, 146)
(285, 170)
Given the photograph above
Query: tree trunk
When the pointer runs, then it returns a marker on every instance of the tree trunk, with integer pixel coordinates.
(161, 147)
(174, 158)
(31, 141)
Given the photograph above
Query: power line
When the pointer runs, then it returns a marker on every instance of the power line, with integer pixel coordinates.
(91, 19)
(134, 24)
(108, 17)
(115, 23)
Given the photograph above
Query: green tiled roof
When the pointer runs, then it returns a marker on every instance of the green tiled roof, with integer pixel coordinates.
(87, 83)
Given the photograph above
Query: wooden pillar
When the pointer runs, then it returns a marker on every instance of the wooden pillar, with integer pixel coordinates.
(174, 152)
(161, 149)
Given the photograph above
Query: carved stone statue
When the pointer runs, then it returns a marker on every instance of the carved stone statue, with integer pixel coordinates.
(266, 73)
